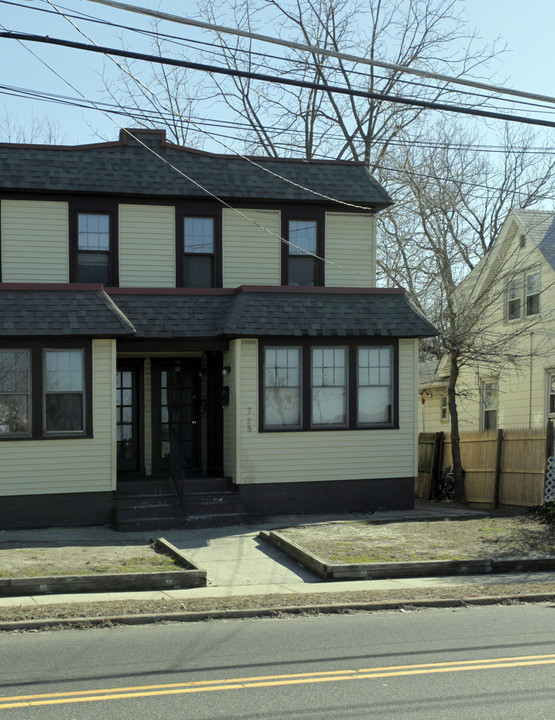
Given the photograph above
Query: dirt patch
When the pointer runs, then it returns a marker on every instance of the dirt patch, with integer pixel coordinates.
(471, 539)
(81, 560)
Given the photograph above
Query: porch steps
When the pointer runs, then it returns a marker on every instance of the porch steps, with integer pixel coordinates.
(155, 504)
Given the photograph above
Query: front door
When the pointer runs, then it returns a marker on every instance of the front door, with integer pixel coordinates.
(127, 417)
(176, 417)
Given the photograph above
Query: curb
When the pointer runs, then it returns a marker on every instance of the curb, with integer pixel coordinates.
(324, 608)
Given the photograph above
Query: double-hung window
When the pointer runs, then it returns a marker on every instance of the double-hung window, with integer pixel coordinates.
(15, 392)
(64, 391)
(319, 387)
(551, 394)
(46, 392)
(490, 404)
(375, 370)
(523, 295)
(93, 243)
(282, 388)
(302, 249)
(198, 256)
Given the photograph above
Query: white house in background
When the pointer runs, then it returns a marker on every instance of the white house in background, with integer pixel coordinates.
(516, 280)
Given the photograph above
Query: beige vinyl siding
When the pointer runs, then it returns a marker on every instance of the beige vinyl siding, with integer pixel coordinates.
(146, 246)
(251, 256)
(351, 244)
(314, 456)
(35, 241)
(31, 467)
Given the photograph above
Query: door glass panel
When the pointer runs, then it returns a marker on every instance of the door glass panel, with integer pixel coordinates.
(126, 420)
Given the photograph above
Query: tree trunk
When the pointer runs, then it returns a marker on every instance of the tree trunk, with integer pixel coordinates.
(459, 491)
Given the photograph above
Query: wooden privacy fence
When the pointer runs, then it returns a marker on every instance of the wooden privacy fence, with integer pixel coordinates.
(506, 467)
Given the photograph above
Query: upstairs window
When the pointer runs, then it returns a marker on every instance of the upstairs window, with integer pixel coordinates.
(15, 392)
(93, 248)
(198, 258)
(302, 266)
(523, 296)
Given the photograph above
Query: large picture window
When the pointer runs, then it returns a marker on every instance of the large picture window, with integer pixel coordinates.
(15, 392)
(46, 392)
(326, 387)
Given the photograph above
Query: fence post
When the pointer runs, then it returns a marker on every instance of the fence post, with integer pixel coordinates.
(437, 462)
(497, 478)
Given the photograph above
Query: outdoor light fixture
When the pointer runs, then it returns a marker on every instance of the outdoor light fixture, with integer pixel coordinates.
(226, 370)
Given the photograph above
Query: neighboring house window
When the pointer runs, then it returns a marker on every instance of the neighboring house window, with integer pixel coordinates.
(282, 387)
(64, 386)
(303, 249)
(15, 392)
(375, 384)
(533, 293)
(444, 408)
(490, 404)
(551, 393)
(523, 296)
(93, 245)
(318, 387)
(198, 257)
(46, 392)
(329, 386)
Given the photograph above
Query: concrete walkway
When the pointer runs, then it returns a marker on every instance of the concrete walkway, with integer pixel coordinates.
(238, 563)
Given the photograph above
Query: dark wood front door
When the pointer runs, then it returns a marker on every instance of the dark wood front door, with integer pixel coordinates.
(176, 417)
(127, 417)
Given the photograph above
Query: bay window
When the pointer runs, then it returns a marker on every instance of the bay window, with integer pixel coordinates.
(64, 385)
(329, 386)
(282, 388)
(375, 367)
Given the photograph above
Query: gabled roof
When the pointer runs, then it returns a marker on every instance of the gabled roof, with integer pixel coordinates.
(127, 167)
(225, 313)
(539, 226)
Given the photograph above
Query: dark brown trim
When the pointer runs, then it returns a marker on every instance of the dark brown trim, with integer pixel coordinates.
(170, 345)
(136, 365)
(37, 347)
(306, 344)
(94, 206)
(303, 213)
(196, 208)
(214, 414)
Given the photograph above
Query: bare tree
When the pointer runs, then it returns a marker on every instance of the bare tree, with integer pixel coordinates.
(453, 203)
(37, 129)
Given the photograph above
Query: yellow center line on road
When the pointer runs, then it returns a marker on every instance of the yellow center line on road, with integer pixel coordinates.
(197, 686)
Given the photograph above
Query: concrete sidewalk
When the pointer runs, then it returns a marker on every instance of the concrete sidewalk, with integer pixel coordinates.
(239, 563)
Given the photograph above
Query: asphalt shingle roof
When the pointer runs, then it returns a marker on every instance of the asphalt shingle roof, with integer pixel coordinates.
(264, 314)
(48, 313)
(540, 227)
(129, 168)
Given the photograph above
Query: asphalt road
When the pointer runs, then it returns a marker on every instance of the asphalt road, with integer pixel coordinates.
(495, 661)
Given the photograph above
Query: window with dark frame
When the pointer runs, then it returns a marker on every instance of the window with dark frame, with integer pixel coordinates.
(64, 391)
(329, 386)
(282, 387)
(93, 248)
(375, 388)
(46, 392)
(317, 387)
(198, 255)
(302, 250)
(15, 392)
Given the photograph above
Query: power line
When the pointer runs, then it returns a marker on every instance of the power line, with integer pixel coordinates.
(430, 105)
(497, 89)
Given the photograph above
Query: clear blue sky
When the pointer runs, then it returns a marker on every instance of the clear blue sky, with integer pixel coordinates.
(526, 28)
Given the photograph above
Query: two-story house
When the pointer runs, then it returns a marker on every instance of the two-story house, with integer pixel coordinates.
(170, 313)
(512, 291)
